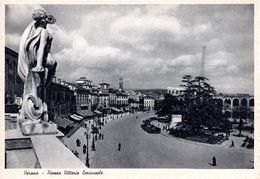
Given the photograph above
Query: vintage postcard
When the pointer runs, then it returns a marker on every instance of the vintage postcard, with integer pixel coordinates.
(92, 88)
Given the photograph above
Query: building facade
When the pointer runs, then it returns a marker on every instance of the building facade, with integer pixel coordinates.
(83, 99)
(175, 91)
(13, 83)
(84, 82)
(121, 99)
(112, 97)
(234, 106)
(61, 101)
(104, 87)
(149, 103)
(103, 100)
(237, 105)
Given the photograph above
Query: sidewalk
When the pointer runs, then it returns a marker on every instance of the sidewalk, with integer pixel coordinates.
(226, 144)
(70, 142)
(237, 140)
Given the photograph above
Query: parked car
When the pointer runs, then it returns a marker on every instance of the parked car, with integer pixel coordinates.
(154, 130)
(147, 127)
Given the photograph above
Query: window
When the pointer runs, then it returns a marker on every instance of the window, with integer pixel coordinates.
(251, 102)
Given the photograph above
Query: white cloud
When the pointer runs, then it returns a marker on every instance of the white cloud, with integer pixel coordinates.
(220, 58)
(184, 60)
(18, 14)
(202, 28)
(148, 45)
(13, 40)
(136, 26)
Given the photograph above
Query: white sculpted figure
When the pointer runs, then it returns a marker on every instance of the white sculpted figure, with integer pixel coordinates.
(36, 67)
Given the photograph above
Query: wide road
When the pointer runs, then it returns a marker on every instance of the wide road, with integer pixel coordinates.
(142, 150)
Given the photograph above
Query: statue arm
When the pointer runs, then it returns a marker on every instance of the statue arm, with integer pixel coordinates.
(40, 52)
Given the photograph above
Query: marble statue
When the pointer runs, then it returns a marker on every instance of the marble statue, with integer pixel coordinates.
(36, 67)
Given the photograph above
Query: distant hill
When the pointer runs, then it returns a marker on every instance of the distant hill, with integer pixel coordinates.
(155, 93)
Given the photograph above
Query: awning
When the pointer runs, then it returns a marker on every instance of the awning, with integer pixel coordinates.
(85, 113)
(97, 111)
(63, 122)
(83, 105)
(76, 117)
(116, 109)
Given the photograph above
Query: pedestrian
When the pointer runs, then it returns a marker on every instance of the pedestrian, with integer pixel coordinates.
(99, 135)
(226, 137)
(252, 130)
(214, 162)
(84, 148)
(232, 144)
(103, 136)
(119, 146)
(76, 154)
(78, 142)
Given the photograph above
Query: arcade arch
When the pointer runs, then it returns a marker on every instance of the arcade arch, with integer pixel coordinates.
(251, 103)
(235, 102)
(243, 102)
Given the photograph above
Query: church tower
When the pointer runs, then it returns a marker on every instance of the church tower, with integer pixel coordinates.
(121, 88)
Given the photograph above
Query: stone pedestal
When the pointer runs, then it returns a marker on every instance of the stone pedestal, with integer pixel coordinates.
(38, 128)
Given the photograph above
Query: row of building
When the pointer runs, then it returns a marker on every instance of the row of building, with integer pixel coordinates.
(64, 98)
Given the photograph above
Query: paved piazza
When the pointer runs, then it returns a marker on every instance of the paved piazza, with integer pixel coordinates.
(142, 150)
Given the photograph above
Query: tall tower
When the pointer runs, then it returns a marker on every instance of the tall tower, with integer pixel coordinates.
(203, 56)
(121, 88)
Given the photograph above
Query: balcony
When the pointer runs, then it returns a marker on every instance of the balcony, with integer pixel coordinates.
(38, 151)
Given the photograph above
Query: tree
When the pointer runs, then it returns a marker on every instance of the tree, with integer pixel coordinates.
(200, 108)
(243, 112)
(187, 97)
(170, 105)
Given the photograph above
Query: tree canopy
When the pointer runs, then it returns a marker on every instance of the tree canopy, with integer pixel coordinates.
(199, 106)
(170, 105)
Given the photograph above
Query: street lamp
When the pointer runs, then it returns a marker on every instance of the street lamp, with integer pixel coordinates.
(87, 137)
(93, 138)
(93, 143)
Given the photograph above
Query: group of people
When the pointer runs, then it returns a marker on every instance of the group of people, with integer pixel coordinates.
(75, 153)
(248, 142)
(101, 136)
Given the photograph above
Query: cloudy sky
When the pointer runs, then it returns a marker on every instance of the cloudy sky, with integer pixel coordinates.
(149, 46)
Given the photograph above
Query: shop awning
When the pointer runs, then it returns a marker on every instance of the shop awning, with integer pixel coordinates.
(85, 113)
(76, 117)
(98, 112)
(116, 109)
(63, 122)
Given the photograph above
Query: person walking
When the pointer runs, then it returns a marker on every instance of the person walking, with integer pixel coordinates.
(84, 148)
(78, 142)
(214, 162)
(232, 144)
(76, 154)
(119, 146)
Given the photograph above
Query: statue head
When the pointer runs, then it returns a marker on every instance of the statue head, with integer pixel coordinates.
(41, 17)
